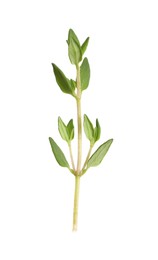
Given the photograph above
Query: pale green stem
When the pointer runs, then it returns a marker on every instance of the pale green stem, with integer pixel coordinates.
(79, 155)
(71, 157)
(87, 158)
(79, 121)
(76, 200)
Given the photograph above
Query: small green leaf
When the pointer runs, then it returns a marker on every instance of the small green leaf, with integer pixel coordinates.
(74, 48)
(73, 84)
(84, 45)
(62, 81)
(97, 131)
(58, 154)
(74, 51)
(88, 128)
(72, 35)
(63, 130)
(85, 74)
(99, 154)
(70, 129)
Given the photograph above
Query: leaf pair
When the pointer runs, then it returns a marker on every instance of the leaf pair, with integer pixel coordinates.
(94, 160)
(93, 134)
(75, 50)
(68, 86)
(66, 131)
(67, 134)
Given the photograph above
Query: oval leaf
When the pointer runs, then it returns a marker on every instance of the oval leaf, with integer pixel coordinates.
(62, 81)
(58, 154)
(74, 51)
(70, 129)
(88, 128)
(72, 35)
(84, 45)
(99, 154)
(63, 130)
(73, 84)
(85, 74)
(97, 131)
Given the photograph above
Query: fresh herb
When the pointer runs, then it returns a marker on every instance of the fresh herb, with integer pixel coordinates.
(75, 88)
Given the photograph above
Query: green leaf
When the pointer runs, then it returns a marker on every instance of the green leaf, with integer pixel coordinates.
(74, 48)
(88, 128)
(73, 84)
(72, 35)
(97, 131)
(62, 81)
(74, 51)
(58, 154)
(63, 130)
(70, 129)
(85, 74)
(84, 45)
(99, 154)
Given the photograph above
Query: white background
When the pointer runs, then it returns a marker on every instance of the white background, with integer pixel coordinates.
(118, 213)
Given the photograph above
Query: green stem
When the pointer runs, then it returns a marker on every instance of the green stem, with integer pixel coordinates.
(76, 200)
(79, 121)
(71, 157)
(87, 158)
(79, 155)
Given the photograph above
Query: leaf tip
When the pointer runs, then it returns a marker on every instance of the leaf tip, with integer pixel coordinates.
(85, 117)
(54, 66)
